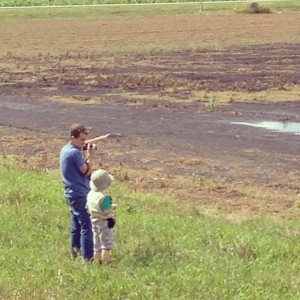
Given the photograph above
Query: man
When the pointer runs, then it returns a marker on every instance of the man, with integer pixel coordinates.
(75, 171)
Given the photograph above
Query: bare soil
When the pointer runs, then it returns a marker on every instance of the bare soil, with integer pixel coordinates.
(174, 143)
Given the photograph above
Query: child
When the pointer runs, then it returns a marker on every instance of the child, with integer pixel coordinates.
(101, 208)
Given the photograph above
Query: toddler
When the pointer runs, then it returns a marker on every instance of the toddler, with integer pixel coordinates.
(100, 208)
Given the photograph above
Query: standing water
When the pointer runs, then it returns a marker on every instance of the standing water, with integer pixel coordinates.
(286, 127)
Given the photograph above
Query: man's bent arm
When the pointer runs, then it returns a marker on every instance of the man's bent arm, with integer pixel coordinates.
(86, 168)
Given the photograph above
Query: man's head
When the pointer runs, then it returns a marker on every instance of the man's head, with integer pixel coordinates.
(78, 135)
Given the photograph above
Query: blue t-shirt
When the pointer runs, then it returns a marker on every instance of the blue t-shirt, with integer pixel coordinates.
(75, 183)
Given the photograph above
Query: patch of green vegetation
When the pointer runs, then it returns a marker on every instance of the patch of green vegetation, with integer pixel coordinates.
(158, 254)
(213, 99)
(279, 94)
(111, 12)
(125, 10)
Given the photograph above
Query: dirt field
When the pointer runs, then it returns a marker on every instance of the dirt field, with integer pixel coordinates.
(161, 82)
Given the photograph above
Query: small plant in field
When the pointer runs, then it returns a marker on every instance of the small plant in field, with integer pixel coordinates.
(197, 180)
(280, 84)
(211, 105)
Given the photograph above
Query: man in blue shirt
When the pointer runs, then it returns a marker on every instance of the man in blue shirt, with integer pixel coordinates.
(75, 171)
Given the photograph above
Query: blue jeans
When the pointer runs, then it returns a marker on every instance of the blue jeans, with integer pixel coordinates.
(81, 228)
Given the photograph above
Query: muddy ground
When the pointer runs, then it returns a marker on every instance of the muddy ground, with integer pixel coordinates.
(174, 142)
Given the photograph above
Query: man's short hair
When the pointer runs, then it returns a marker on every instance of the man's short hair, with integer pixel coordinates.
(76, 129)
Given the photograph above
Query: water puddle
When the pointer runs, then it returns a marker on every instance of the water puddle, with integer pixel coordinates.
(287, 127)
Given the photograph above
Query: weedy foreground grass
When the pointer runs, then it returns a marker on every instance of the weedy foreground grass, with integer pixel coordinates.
(157, 255)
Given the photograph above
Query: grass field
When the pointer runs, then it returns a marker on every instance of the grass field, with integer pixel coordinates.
(164, 248)
(160, 252)
(183, 6)
(18, 3)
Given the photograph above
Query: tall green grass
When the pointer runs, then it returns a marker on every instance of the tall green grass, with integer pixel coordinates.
(158, 254)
